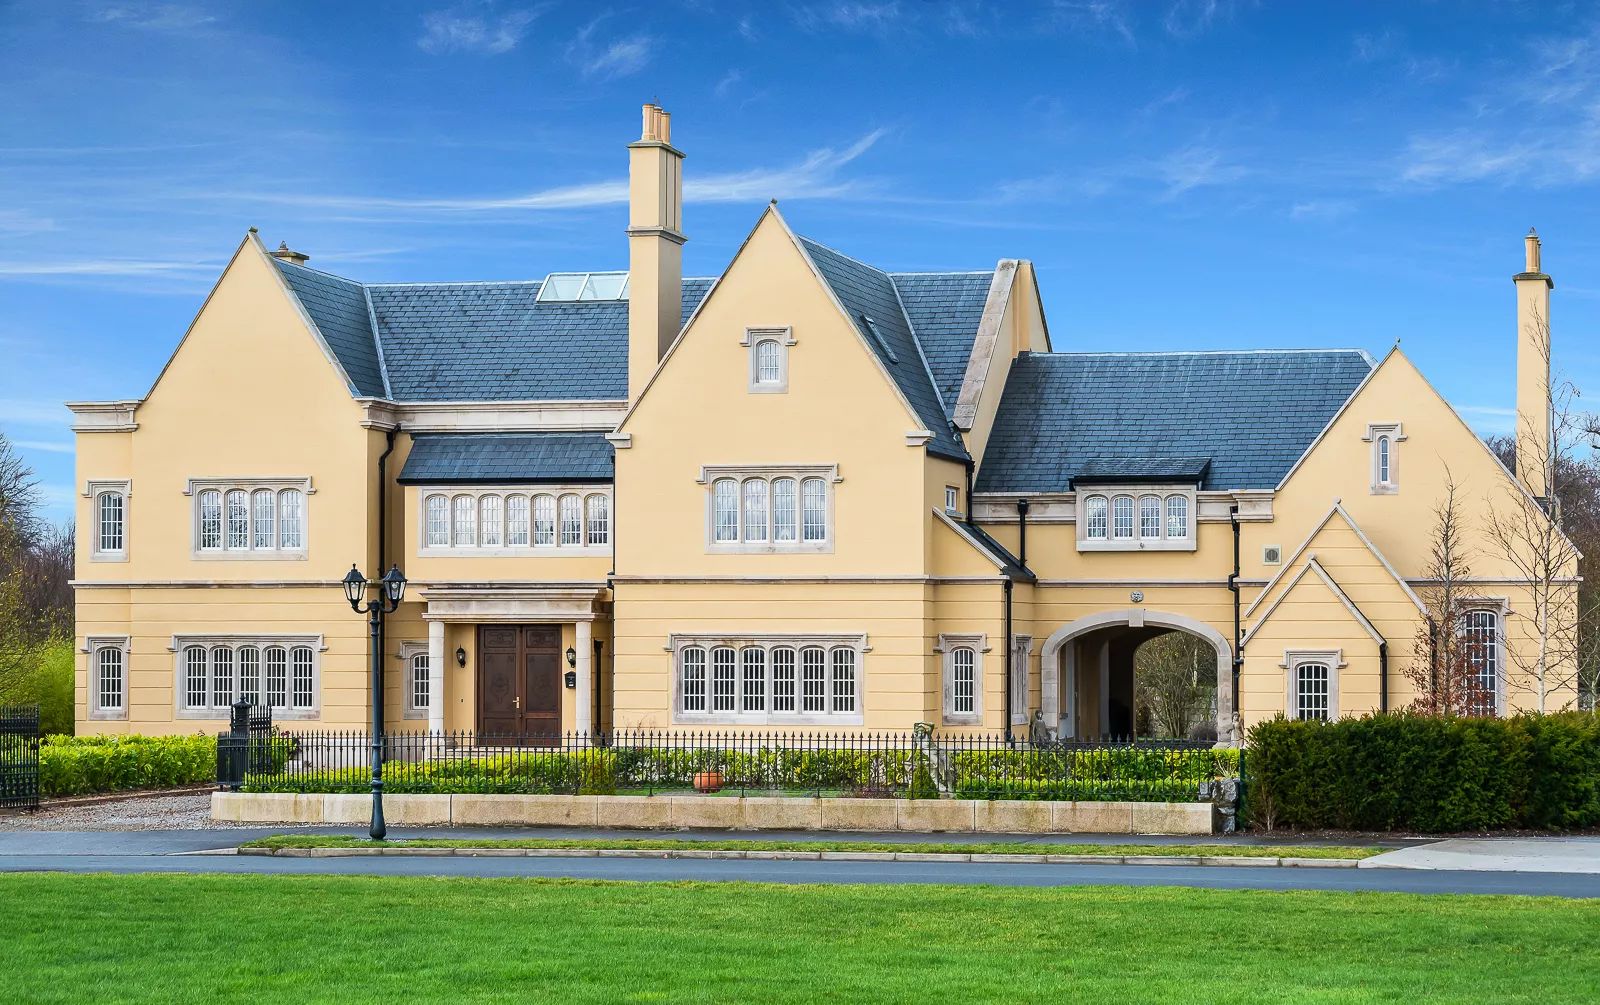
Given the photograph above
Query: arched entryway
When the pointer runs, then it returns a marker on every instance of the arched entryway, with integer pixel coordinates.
(1087, 671)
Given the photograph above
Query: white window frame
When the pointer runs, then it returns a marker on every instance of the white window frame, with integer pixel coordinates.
(1108, 540)
(93, 491)
(1021, 677)
(505, 548)
(948, 644)
(93, 645)
(181, 644)
(1293, 659)
(1499, 608)
(856, 644)
(1377, 434)
(711, 474)
(952, 500)
(196, 489)
(752, 339)
(409, 651)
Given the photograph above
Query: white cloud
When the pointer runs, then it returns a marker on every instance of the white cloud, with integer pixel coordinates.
(33, 412)
(173, 17)
(107, 267)
(460, 30)
(730, 80)
(847, 15)
(815, 176)
(609, 60)
(47, 446)
(1195, 167)
(1321, 209)
(1095, 17)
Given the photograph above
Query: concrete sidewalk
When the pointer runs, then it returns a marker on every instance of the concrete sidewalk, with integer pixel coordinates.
(1542, 854)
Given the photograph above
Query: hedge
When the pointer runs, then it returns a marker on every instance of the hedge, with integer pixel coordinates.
(1428, 774)
(1120, 774)
(79, 765)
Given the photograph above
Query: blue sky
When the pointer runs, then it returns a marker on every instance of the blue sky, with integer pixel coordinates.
(1184, 174)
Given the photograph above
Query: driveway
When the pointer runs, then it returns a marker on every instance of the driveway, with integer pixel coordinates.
(1580, 855)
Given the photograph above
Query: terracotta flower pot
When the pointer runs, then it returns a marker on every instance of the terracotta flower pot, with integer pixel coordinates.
(708, 781)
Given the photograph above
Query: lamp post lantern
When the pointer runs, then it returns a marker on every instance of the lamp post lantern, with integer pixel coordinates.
(391, 590)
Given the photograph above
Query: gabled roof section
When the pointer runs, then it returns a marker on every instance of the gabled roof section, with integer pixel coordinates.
(945, 310)
(1290, 564)
(871, 301)
(507, 458)
(988, 547)
(1251, 413)
(471, 341)
(338, 309)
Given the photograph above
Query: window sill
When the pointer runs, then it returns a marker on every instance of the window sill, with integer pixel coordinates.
(517, 551)
(758, 548)
(962, 720)
(109, 556)
(249, 556)
(223, 714)
(764, 719)
(1135, 544)
(108, 716)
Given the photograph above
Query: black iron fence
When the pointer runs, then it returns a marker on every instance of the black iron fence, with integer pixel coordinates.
(246, 746)
(19, 756)
(646, 762)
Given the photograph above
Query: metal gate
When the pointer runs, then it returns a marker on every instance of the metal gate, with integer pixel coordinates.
(19, 756)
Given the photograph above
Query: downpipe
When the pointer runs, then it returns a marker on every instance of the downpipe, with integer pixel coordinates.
(1238, 624)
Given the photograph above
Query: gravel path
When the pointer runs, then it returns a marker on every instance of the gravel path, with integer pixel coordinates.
(189, 811)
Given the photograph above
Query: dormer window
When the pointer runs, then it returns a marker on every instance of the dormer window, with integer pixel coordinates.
(1134, 518)
(1385, 438)
(769, 359)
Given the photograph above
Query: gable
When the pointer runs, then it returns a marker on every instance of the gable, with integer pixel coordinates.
(1437, 445)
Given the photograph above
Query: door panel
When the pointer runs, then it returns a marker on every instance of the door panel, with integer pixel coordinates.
(497, 682)
(519, 681)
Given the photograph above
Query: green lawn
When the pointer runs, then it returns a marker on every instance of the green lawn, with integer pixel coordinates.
(365, 939)
(942, 847)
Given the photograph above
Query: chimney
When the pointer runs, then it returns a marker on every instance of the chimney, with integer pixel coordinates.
(292, 257)
(655, 247)
(1535, 440)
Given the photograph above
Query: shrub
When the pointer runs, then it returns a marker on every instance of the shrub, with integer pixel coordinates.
(40, 675)
(79, 765)
(1426, 773)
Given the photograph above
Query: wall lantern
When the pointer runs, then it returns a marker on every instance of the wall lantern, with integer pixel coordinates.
(461, 657)
(572, 657)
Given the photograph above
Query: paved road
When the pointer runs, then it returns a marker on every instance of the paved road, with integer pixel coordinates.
(171, 852)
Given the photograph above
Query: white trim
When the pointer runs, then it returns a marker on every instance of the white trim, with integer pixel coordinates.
(300, 308)
(1501, 608)
(195, 488)
(92, 644)
(554, 415)
(752, 338)
(965, 533)
(104, 416)
(711, 474)
(1312, 565)
(1255, 506)
(738, 641)
(410, 650)
(947, 646)
(1293, 659)
(1289, 563)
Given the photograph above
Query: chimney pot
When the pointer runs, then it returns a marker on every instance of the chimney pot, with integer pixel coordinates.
(287, 255)
(1530, 246)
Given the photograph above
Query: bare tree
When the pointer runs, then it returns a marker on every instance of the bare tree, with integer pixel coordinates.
(1444, 668)
(1526, 532)
(1175, 680)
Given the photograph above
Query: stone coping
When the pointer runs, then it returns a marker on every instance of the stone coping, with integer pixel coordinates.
(790, 855)
(674, 812)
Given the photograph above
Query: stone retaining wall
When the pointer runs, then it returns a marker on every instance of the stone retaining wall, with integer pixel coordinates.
(999, 816)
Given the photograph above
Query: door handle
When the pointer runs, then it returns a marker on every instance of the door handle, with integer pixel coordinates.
(517, 702)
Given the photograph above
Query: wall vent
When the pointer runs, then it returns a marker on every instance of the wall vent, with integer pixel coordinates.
(1272, 554)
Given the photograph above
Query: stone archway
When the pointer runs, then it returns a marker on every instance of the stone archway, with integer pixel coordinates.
(1059, 656)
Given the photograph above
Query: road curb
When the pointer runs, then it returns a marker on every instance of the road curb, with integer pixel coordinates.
(1290, 862)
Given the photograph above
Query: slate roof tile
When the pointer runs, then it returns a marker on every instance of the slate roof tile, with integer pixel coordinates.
(484, 458)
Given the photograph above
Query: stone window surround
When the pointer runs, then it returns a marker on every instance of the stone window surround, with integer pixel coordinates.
(978, 642)
(287, 640)
(409, 650)
(677, 642)
(1395, 432)
(92, 645)
(1135, 490)
(753, 337)
(1293, 659)
(93, 490)
(1501, 608)
(711, 473)
(1021, 660)
(529, 550)
(195, 486)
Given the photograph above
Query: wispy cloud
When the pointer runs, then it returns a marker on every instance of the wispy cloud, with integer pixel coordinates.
(1187, 18)
(461, 29)
(1099, 17)
(1321, 209)
(171, 17)
(848, 15)
(815, 176)
(725, 86)
(1196, 166)
(106, 267)
(33, 412)
(606, 60)
(46, 446)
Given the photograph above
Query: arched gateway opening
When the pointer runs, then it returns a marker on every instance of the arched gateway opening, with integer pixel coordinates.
(1089, 681)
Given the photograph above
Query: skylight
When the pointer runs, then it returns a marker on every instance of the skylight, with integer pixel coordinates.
(883, 343)
(567, 287)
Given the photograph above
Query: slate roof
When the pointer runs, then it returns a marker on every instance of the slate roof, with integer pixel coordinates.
(1142, 469)
(338, 307)
(868, 293)
(1252, 414)
(944, 309)
(472, 341)
(484, 458)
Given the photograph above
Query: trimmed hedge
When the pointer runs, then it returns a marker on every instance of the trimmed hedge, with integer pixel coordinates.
(80, 765)
(1121, 774)
(1423, 773)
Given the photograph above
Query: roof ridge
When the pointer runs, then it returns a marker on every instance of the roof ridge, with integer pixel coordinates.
(1202, 352)
(282, 263)
(942, 272)
(922, 354)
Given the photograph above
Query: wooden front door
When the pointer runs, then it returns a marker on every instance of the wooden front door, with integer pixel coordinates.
(519, 681)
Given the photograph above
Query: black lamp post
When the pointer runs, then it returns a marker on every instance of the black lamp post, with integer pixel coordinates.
(391, 589)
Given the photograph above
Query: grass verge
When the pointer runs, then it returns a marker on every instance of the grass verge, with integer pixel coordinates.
(358, 939)
(934, 847)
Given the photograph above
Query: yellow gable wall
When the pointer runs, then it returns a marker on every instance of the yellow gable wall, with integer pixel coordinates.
(840, 408)
(1311, 617)
(1400, 524)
